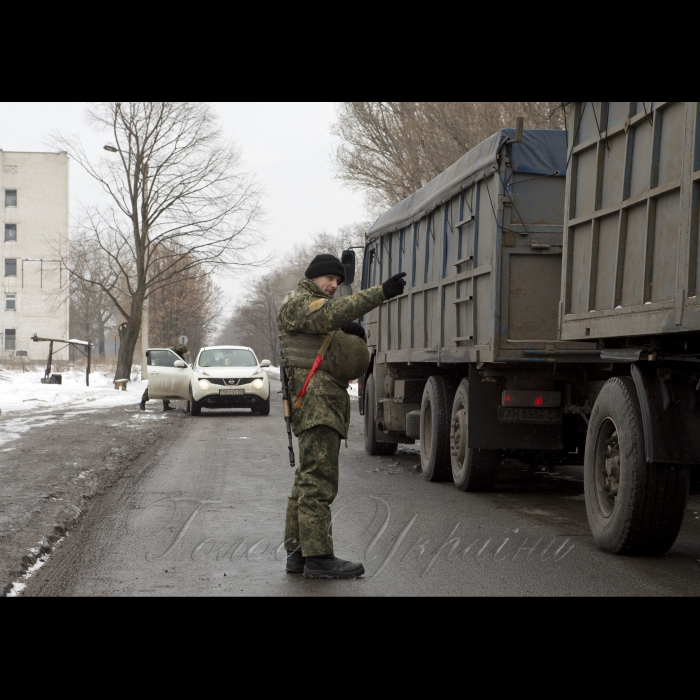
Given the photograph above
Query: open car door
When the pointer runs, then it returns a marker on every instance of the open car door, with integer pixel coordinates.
(165, 379)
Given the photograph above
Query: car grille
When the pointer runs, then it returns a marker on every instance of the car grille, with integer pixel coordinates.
(230, 382)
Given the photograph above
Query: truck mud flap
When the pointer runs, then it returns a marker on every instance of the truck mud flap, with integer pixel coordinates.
(670, 412)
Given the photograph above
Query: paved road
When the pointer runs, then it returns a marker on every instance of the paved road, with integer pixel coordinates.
(52, 465)
(205, 517)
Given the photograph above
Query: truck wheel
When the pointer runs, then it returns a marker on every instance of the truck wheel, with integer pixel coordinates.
(472, 470)
(633, 507)
(435, 411)
(372, 446)
(194, 407)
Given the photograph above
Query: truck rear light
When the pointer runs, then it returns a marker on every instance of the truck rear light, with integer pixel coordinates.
(526, 399)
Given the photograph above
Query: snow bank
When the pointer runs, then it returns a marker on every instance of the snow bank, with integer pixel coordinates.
(23, 391)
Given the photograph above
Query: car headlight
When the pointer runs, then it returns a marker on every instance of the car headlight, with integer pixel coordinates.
(203, 384)
(258, 383)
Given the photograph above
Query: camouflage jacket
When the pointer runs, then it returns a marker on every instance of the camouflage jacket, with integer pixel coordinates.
(309, 310)
(180, 350)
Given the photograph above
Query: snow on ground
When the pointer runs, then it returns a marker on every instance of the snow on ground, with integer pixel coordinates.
(23, 391)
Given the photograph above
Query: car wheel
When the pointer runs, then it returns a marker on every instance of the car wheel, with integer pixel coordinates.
(194, 408)
(263, 410)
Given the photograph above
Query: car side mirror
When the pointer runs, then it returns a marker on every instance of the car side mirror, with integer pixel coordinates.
(179, 363)
(265, 363)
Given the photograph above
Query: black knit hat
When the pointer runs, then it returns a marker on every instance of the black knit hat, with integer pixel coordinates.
(325, 265)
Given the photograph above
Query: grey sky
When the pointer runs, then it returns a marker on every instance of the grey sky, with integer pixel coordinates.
(288, 146)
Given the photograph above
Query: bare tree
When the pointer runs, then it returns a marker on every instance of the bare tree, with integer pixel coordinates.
(91, 308)
(192, 307)
(179, 202)
(389, 150)
(255, 320)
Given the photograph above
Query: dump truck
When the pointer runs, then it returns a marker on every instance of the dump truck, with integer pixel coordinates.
(550, 315)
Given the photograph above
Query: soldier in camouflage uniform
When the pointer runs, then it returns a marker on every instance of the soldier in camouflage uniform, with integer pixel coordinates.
(180, 350)
(324, 416)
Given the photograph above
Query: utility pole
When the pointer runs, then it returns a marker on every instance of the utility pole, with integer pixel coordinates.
(144, 314)
(144, 339)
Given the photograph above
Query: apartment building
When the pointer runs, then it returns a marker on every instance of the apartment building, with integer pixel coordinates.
(34, 220)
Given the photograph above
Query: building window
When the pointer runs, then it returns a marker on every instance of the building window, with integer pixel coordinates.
(10, 198)
(10, 267)
(10, 300)
(9, 339)
(10, 232)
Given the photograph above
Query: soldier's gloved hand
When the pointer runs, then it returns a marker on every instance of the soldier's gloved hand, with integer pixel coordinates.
(354, 329)
(394, 285)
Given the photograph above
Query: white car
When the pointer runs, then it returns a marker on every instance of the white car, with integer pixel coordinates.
(222, 376)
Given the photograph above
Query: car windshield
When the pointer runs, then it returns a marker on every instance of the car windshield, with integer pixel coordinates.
(227, 357)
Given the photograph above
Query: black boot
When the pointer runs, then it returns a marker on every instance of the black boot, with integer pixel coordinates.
(167, 407)
(142, 405)
(295, 563)
(328, 566)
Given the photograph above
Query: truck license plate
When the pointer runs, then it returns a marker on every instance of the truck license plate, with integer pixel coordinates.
(508, 414)
(228, 392)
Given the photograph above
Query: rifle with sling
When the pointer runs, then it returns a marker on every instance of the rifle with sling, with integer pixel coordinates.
(287, 408)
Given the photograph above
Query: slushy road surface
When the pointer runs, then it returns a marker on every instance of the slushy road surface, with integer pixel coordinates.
(205, 516)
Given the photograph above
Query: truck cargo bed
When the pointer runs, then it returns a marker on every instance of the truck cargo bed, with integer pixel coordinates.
(482, 248)
(631, 234)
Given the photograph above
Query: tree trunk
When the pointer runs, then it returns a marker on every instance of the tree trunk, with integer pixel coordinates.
(127, 344)
(128, 335)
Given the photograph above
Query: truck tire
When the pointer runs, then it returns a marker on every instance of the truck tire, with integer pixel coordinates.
(372, 446)
(472, 469)
(194, 408)
(633, 507)
(435, 412)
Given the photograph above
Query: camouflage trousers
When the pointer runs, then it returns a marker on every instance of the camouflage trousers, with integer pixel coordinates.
(145, 397)
(308, 522)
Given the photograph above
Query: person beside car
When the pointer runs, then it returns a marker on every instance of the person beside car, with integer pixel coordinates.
(180, 350)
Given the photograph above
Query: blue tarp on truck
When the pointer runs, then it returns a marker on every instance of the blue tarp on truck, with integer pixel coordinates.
(541, 152)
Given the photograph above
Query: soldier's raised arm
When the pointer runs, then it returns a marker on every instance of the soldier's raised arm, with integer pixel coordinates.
(324, 315)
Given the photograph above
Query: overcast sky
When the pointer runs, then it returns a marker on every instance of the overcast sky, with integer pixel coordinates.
(288, 146)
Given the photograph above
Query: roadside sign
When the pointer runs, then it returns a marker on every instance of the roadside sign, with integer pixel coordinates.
(182, 340)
